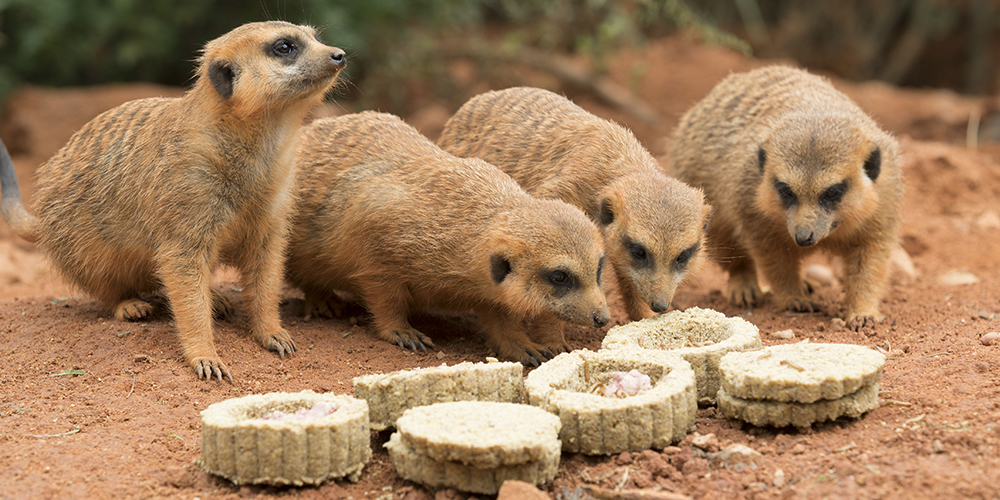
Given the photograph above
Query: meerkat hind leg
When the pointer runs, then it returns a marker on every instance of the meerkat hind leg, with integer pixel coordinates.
(222, 306)
(133, 309)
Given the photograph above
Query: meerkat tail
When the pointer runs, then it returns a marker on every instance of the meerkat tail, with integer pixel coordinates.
(11, 207)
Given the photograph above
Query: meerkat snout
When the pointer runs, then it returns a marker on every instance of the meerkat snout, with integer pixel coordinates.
(339, 57)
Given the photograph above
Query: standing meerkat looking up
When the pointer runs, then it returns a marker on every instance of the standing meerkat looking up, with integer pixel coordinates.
(653, 226)
(156, 193)
(793, 166)
(389, 217)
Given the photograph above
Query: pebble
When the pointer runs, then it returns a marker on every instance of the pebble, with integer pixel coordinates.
(624, 458)
(779, 478)
(783, 334)
(990, 338)
(440, 355)
(937, 446)
(738, 457)
(820, 274)
(956, 278)
(513, 489)
(798, 449)
(707, 442)
(988, 220)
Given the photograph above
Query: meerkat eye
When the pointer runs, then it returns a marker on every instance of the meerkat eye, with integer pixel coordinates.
(284, 47)
(684, 257)
(873, 165)
(785, 193)
(637, 252)
(832, 196)
(560, 278)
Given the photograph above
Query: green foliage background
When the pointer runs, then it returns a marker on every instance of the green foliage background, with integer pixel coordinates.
(82, 42)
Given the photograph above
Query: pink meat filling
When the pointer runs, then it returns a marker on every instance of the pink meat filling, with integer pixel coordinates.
(627, 384)
(319, 410)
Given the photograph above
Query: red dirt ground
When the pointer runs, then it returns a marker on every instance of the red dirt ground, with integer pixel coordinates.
(128, 427)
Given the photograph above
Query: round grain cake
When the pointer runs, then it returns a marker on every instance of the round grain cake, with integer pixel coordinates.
(801, 372)
(239, 443)
(390, 394)
(482, 434)
(778, 414)
(700, 336)
(596, 424)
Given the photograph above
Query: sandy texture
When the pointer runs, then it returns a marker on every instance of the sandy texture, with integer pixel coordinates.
(780, 414)
(479, 433)
(239, 445)
(129, 425)
(700, 336)
(390, 394)
(595, 424)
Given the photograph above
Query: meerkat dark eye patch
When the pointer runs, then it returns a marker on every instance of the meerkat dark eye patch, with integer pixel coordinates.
(499, 268)
(600, 269)
(786, 194)
(683, 258)
(761, 159)
(221, 74)
(832, 196)
(607, 216)
(638, 253)
(873, 165)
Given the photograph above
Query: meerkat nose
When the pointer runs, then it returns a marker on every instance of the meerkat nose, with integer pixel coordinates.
(339, 57)
(804, 240)
(658, 306)
(601, 319)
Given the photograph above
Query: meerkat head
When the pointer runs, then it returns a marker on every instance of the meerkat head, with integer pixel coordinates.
(654, 229)
(820, 173)
(548, 257)
(267, 66)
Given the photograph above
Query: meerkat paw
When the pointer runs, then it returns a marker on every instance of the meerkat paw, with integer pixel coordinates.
(280, 342)
(744, 292)
(802, 305)
(208, 368)
(222, 306)
(858, 321)
(323, 307)
(133, 310)
(410, 339)
(809, 286)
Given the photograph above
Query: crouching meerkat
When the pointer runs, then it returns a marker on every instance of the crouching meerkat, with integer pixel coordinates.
(653, 225)
(156, 193)
(389, 217)
(793, 166)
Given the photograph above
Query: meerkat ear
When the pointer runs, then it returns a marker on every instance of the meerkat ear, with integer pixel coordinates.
(222, 75)
(761, 158)
(873, 165)
(499, 268)
(607, 214)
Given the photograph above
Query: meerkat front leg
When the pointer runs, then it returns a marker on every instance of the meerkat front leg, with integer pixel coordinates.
(549, 331)
(261, 266)
(782, 271)
(506, 334)
(742, 287)
(323, 304)
(185, 275)
(865, 271)
(390, 309)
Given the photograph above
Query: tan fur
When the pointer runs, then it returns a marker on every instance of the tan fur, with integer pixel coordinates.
(812, 138)
(387, 216)
(157, 192)
(556, 149)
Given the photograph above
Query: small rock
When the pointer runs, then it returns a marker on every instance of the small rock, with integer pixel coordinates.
(990, 338)
(902, 262)
(988, 220)
(820, 274)
(624, 458)
(937, 446)
(440, 355)
(697, 467)
(861, 480)
(513, 489)
(798, 449)
(837, 324)
(738, 457)
(783, 334)
(956, 277)
(672, 450)
(453, 494)
(416, 494)
(779, 478)
(707, 442)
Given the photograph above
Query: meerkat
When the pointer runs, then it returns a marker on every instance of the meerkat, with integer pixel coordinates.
(156, 193)
(653, 225)
(387, 216)
(792, 166)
